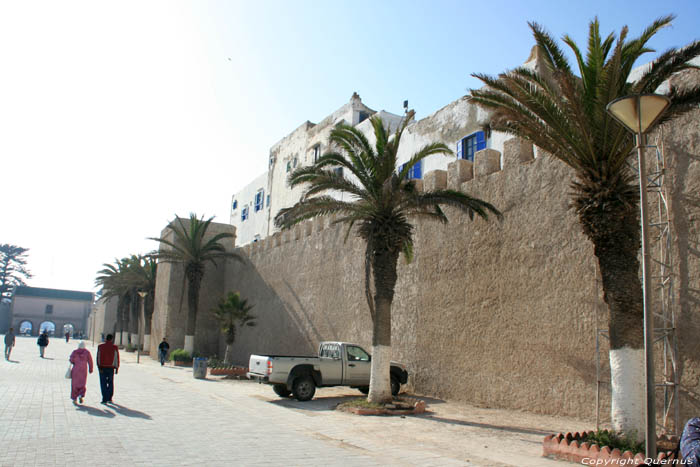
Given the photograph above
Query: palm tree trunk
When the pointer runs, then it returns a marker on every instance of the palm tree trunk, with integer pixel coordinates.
(384, 271)
(616, 247)
(147, 321)
(194, 282)
(226, 353)
(134, 319)
(119, 325)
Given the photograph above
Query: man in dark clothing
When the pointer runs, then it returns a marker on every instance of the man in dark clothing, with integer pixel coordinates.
(10, 342)
(43, 342)
(108, 365)
(163, 350)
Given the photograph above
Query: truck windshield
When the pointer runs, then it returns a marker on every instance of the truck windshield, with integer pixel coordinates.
(357, 354)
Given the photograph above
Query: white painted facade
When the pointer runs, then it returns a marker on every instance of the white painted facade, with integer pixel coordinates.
(243, 205)
(448, 125)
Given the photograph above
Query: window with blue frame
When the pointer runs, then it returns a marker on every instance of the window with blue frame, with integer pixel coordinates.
(469, 145)
(235, 204)
(244, 213)
(416, 172)
(267, 203)
(259, 199)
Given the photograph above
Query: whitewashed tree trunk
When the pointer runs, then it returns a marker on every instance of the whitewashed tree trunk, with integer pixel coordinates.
(226, 353)
(627, 376)
(146, 342)
(380, 382)
(189, 344)
(118, 338)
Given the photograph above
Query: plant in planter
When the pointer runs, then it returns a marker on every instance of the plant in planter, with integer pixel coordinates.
(233, 312)
(181, 357)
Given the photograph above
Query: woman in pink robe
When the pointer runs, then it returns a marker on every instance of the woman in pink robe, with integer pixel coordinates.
(82, 362)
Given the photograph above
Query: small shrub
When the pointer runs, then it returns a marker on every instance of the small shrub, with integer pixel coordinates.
(180, 355)
(615, 440)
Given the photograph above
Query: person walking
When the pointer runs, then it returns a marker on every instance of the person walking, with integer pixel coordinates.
(82, 363)
(108, 366)
(163, 348)
(67, 336)
(43, 342)
(10, 342)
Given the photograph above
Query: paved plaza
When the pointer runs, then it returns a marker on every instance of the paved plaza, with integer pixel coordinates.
(163, 416)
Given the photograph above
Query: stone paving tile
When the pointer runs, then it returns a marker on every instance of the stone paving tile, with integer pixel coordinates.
(163, 416)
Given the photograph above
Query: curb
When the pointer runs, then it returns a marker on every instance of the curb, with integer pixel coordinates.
(573, 447)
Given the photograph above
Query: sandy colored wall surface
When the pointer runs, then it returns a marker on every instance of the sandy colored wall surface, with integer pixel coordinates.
(499, 314)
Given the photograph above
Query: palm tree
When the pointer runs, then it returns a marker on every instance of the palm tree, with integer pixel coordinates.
(190, 247)
(141, 277)
(114, 283)
(231, 312)
(381, 201)
(565, 115)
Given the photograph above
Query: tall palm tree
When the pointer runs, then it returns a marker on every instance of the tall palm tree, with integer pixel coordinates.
(565, 114)
(233, 311)
(114, 283)
(382, 200)
(190, 247)
(141, 277)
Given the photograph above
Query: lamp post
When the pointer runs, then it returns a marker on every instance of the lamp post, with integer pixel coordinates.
(142, 294)
(638, 113)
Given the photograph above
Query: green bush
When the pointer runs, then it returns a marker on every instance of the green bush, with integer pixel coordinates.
(615, 440)
(180, 355)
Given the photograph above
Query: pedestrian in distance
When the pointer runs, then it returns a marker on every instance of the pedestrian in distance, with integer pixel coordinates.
(43, 342)
(10, 342)
(163, 348)
(82, 363)
(67, 336)
(108, 366)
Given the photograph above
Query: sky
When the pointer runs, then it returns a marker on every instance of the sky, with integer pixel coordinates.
(117, 116)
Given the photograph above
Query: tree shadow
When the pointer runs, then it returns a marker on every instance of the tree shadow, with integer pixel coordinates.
(450, 421)
(127, 412)
(94, 411)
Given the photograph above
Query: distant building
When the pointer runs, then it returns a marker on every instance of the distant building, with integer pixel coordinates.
(57, 311)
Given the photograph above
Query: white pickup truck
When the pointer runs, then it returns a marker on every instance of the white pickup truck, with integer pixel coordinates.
(337, 364)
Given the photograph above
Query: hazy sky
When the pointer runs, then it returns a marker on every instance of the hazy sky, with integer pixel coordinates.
(115, 116)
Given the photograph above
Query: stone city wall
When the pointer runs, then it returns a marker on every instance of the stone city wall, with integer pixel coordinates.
(500, 314)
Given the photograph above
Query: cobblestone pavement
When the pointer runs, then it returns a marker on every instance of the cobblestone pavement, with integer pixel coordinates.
(163, 416)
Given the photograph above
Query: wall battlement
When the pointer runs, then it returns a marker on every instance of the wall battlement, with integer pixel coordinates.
(459, 175)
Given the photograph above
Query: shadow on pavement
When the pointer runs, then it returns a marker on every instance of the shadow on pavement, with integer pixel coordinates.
(319, 404)
(12, 361)
(509, 429)
(94, 411)
(127, 412)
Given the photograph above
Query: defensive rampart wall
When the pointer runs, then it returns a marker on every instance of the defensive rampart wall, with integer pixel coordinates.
(500, 314)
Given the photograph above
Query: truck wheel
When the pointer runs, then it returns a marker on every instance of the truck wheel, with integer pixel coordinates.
(281, 390)
(304, 388)
(364, 389)
(395, 386)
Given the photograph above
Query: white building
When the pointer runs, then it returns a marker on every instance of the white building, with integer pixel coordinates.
(461, 125)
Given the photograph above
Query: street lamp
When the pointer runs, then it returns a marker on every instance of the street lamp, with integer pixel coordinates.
(142, 294)
(638, 113)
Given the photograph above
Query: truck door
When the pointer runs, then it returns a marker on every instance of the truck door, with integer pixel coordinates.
(358, 366)
(331, 364)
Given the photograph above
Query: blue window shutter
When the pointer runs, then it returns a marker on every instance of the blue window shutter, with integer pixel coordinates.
(459, 150)
(418, 170)
(480, 141)
(235, 204)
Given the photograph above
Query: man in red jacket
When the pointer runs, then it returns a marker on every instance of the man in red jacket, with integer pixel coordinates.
(108, 365)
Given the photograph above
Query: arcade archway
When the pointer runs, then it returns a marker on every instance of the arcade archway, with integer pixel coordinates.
(26, 328)
(49, 327)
